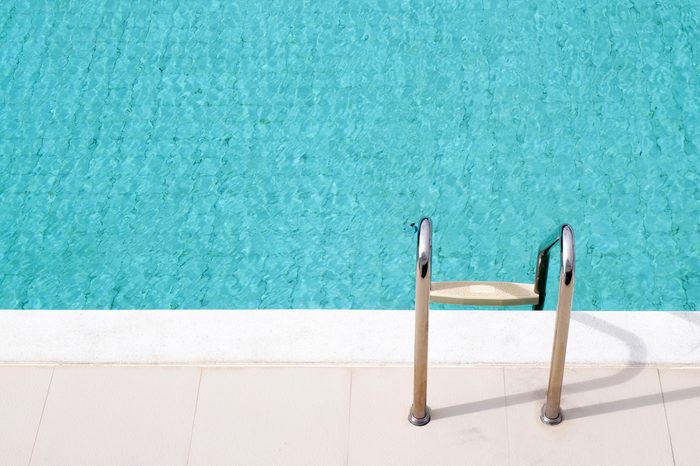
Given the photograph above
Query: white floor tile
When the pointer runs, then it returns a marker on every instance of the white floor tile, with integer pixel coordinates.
(117, 415)
(611, 417)
(22, 394)
(272, 416)
(681, 388)
(97, 415)
(468, 423)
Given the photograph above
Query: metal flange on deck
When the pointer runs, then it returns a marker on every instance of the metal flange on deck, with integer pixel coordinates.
(494, 294)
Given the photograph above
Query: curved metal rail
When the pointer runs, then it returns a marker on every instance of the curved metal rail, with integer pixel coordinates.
(564, 235)
(419, 414)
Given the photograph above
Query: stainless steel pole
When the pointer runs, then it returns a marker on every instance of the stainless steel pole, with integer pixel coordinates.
(551, 412)
(420, 412)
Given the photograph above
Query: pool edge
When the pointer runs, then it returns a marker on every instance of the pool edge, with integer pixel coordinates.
(343, 337)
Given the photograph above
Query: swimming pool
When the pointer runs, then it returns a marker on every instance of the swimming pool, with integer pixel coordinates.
(268, 155)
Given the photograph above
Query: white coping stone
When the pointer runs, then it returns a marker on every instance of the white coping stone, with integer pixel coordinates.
(343, 337)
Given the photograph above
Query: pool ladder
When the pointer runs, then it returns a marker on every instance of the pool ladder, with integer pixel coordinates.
(494, 294)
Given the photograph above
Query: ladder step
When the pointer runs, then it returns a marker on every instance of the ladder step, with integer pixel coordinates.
(483, 293)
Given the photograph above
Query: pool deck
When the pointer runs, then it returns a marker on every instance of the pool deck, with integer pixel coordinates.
(334, 388)
(170, 415)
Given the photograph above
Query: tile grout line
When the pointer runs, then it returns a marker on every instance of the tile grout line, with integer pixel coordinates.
(194, 416)
(347, 442)
(668, 428)
(505, 408)
(41, 418)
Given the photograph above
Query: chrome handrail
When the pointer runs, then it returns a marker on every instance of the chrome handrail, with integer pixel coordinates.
(419, 414)
(551, 412)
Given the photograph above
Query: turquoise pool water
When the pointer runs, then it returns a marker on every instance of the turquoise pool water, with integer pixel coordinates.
(275, 154)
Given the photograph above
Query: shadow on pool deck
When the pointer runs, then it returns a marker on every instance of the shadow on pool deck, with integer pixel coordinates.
(637, 352)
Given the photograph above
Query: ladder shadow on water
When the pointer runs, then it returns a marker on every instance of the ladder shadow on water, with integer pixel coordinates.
(637, 351)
